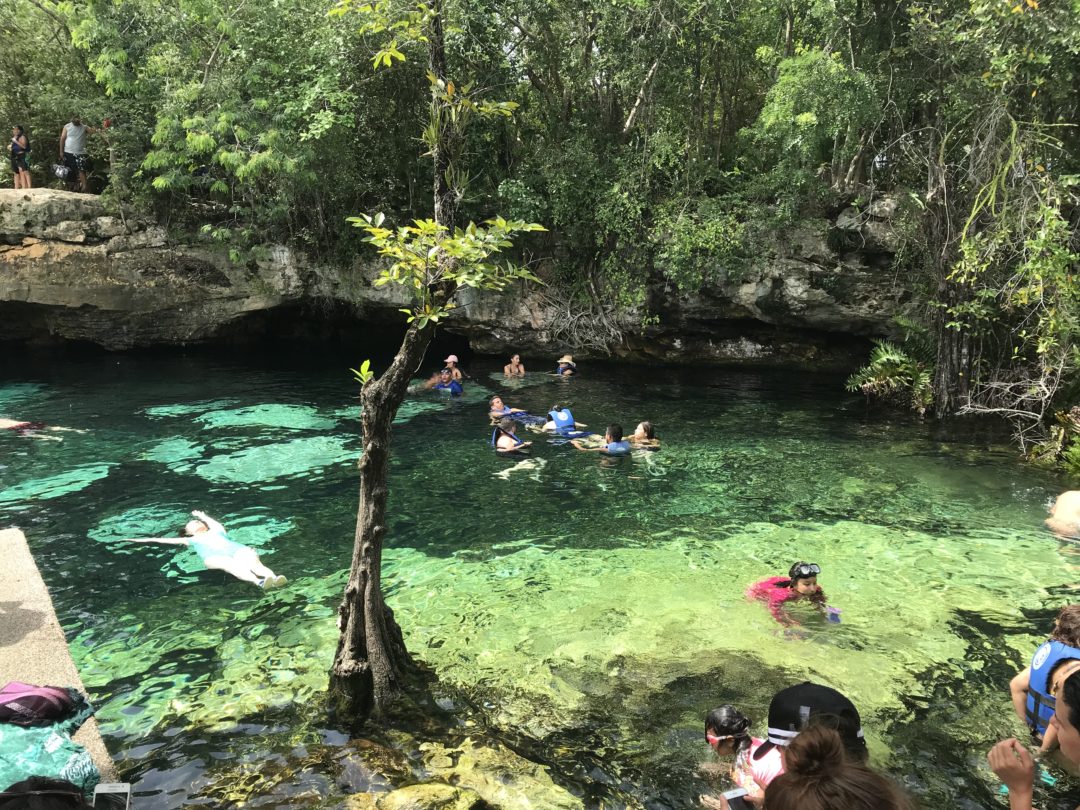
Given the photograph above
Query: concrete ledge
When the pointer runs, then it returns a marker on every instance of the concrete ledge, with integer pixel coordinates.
(32, 644)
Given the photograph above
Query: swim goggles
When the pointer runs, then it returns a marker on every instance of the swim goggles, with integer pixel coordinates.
(712, 739)
(806, 570)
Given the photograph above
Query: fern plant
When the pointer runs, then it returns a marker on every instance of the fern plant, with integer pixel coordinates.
(894, 375)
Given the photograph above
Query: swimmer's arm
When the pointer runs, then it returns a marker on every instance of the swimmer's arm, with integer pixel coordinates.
(580, 446)
(211, 524)
(1050, 739)
(165, 541)
(1018, 689)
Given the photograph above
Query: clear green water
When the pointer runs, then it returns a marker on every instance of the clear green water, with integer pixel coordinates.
(592, 608)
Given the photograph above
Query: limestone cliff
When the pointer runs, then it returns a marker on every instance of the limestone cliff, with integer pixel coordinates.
(71, 269)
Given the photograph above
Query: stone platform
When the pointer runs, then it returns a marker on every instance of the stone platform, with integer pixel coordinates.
(33, 648)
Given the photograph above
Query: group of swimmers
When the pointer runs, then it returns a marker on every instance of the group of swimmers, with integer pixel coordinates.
(560, 422)
(776, 771)
(814, 754)
(507, 420)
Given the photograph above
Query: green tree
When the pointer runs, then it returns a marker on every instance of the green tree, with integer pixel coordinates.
(432, 259)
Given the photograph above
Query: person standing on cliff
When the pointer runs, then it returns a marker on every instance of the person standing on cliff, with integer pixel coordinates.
(73, 150)
(20, 148)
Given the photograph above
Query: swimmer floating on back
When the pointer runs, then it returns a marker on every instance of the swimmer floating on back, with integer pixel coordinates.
(799, 585)
(35, 430)
(208, 539)
(499, 409)
(562, 421)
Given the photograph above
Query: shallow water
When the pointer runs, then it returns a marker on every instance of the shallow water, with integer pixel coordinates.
(591, 607)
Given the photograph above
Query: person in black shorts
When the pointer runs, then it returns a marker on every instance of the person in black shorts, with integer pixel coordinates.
(19, 149)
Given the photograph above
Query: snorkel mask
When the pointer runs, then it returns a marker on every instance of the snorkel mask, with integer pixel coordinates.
(803, 570)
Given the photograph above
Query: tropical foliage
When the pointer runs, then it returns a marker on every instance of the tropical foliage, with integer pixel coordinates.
(660, 141)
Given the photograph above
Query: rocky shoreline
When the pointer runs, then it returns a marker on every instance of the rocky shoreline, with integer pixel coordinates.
(72, 269)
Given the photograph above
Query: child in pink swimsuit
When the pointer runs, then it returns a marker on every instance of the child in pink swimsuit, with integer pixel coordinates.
(727, 730)
(799, 585)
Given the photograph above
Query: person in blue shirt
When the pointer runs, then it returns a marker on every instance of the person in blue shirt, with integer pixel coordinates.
(207, 538)
(444, 381)
(614, 444)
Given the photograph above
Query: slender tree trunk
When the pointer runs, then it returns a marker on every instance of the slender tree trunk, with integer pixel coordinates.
(371, 656)
(371, 659)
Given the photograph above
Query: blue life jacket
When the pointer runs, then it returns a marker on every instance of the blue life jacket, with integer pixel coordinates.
(1040, 703)
(564, 420)
(570, 369)
(495, 438)
(618, 448)
(454, 387)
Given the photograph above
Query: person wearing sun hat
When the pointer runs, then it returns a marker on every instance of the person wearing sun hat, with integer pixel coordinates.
(566, 366)
(794, 709)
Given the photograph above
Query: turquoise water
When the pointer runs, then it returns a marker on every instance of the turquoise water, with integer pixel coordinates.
(590, 610)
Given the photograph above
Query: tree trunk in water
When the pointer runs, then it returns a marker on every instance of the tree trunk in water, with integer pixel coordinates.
(371, 655)
(371, 658)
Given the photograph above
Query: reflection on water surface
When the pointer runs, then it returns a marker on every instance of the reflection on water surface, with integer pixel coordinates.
(591, 608)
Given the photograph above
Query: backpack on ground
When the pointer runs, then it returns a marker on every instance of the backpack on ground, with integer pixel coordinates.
(27, 705)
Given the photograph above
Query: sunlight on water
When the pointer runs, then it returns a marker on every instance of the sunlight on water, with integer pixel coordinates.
(596, 605)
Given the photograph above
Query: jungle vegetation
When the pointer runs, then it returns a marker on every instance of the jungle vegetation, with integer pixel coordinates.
(658, 141)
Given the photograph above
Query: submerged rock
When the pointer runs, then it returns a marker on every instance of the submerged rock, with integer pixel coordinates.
(432, 796)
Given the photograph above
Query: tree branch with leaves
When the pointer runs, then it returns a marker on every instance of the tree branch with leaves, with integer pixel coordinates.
(432, 259)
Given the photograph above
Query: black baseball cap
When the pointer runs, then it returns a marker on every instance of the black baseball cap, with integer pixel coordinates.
(795, 708)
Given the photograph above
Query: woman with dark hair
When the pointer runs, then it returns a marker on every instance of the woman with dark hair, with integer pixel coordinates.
(819, 774)
(727, 730)
(20, 148)
(644, 435)
(1015, 766)
(515, 368)
(42, 793)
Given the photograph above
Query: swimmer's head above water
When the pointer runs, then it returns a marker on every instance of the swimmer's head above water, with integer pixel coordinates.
(803, 578)
(194, 527)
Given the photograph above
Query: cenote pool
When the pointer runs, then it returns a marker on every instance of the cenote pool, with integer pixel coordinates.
(591, 612)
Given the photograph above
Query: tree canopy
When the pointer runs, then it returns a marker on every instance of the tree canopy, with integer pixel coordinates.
(658, 140)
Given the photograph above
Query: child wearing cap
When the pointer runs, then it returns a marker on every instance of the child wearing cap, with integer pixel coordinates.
(565, 366)
(451, 363)
(799, 585)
